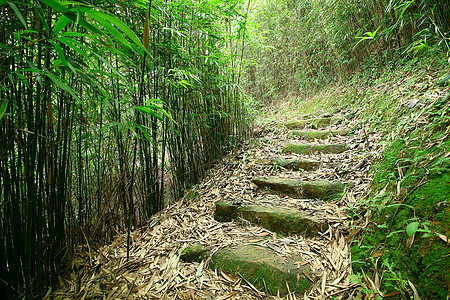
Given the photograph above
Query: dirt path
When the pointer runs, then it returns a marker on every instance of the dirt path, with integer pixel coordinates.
(155, 270)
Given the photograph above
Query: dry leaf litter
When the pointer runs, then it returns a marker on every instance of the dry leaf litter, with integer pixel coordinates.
(154, 269)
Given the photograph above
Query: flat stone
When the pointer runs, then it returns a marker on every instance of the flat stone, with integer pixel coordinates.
(278, 219)
(313, 123)
(265, 269)
(320, 189)
(311, 148)
(196, 252)
(298, 163)
(225, 212)
(317, 134)
(295, 124)
(282, 220)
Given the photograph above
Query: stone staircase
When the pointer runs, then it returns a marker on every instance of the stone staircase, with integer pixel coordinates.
(309, 152)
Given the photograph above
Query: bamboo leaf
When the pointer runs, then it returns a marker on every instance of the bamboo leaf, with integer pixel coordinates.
(144, 130)
(62, 85)
(119, 24)
(18, 14)
(110, 66)
(60, 52)
(76, 46)
(62, 22)
(56, 6)
(77, 18)
(3, 108)
(149, 111)
(111, 29)
(443, 80)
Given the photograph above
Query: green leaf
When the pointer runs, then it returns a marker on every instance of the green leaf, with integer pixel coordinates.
(76, 46)
(62, 22)
(64, 86)
(3, 108)
(111, 29)
(119, 24)
(60, 52)
(412, 228)
(18, 14)
(144, 130)
(148, 110)
(111, 67)
(56, 5)
(443, 80)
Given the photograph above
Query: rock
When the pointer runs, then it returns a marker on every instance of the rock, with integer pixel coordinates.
(196, 253)
(313, 123)
(264, 268)
(295, 124)
(279, 219)
(282, 220)
(317, 134)
(298, 163)
(319, 122)
(310, 148)
(321, 189)
(225, 212)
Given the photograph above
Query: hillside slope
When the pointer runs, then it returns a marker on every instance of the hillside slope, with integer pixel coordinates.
(401, 226)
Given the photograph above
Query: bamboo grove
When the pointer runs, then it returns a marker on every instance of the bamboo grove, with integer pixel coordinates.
(109, 111)
(303, 45)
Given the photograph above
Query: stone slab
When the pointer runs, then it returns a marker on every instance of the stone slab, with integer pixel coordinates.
(317, 134)
(320, 189)
(298, 163)
(312, 148)
(313, 123)
(278, 219)
(264, 268)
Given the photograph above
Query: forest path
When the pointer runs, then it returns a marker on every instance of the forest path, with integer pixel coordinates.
(155, 269)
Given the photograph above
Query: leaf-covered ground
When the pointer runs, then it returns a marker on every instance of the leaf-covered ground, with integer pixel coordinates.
(155, 271)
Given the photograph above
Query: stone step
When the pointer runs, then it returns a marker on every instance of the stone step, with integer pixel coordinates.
(298, 163)
(311, 148)
(264, 268)
(313, 123)
(278, 219)
(195, 252)
(320, 189)
(317, 134)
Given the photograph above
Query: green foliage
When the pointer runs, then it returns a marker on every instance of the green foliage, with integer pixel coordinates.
(300, 46)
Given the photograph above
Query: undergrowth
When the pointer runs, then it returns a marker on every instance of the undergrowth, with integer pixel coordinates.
(405, 244)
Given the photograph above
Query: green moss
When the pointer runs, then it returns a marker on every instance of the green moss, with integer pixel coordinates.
(196, 253)
(295, 124)
(424, 198)
(297, 163)
(317, 134)
(225, 212)
(308, 148)
(263, 268)
(282, 220)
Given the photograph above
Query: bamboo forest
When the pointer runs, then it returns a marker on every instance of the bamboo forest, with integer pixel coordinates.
(224, 149)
